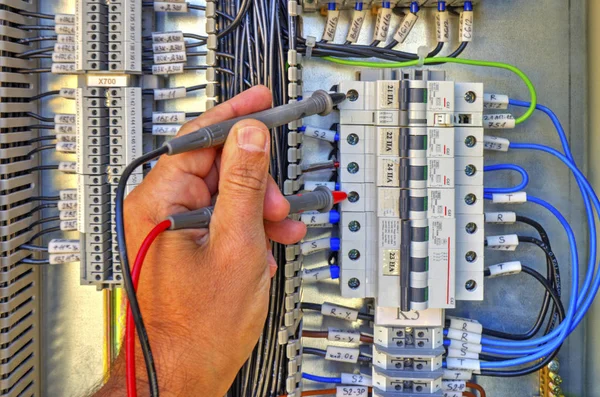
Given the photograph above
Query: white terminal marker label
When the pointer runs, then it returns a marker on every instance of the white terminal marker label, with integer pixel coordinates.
(97, 80)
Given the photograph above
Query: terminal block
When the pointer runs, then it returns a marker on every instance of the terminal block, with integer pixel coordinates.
(406, 382)
(93, 205)
(125, 36)
(109, 136)
(408, 337)
(408, 359)
(125, 120)
(91, 26)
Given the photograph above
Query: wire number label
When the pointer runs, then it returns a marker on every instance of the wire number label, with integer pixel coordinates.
(342, 354)
(340, 335)
(356, 379)
(454, 386)
(354, 391)
(345, 313)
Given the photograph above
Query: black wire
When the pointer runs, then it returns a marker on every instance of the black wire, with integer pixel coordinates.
(34, 52)
(128, 283)
(237, 21)
(317, 307)
(36, 39)
(29, 261)
(544, 236)
(40, 208)
(44, 198)
(45, 231)
(39, 149)
(42, 221)
(197, 44)
(362, 51)
(30, 247)
(36, 27)
(42, 138)
(552, 264)
(40, 127)
(561, 315)
(203, 8)
(195, 36)
(196, 87)
(35, 70)
(43, 95)
(36, 15)
(40, 117)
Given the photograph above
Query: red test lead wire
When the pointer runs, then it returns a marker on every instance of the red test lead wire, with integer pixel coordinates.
(129, 325)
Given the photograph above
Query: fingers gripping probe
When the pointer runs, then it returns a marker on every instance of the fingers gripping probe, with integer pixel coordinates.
(320, 102)
(321, 199)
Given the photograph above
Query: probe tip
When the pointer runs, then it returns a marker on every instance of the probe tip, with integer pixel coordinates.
(337, 97)
(339, 196)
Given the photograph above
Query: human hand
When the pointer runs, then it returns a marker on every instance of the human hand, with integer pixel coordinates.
(204, 293)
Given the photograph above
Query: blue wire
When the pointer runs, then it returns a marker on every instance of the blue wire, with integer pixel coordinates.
(511, 167)
(322, 379)
(586, 190)
(583, 295)
(590, 215)
(569, 325)
(564, 330)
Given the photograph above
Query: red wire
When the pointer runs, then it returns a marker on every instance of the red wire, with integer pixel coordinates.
(129, 325)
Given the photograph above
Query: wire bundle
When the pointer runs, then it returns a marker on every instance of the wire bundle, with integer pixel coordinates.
(256, 40)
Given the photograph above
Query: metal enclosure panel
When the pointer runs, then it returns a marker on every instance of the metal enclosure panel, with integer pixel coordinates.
(530, 36)
(547, 41)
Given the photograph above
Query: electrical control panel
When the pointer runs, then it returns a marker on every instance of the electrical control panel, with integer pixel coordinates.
(427, 280)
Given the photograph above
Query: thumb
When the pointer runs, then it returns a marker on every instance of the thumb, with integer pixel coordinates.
(243, 179)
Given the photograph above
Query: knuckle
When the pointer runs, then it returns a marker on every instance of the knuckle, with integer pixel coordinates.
(244, 177)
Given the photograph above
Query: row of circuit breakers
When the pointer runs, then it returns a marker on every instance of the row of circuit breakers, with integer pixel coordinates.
(411, 161)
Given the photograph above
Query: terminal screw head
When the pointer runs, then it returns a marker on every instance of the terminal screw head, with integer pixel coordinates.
(471, 256)
(354, 283)
(470, 199)
(470, 141)
(352, 139)
(354, 226)
(470, 170)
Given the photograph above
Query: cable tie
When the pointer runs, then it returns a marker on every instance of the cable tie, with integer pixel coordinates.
(310, 43)
(422, 52)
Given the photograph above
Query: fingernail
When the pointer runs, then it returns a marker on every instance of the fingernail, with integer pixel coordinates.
(252, 139)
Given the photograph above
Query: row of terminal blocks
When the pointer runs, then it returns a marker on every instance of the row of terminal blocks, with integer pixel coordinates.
(109, 134)
(108, 36)
(407, 359)
(312, 5)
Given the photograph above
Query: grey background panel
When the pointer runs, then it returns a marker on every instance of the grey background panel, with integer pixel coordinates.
(547, 40)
